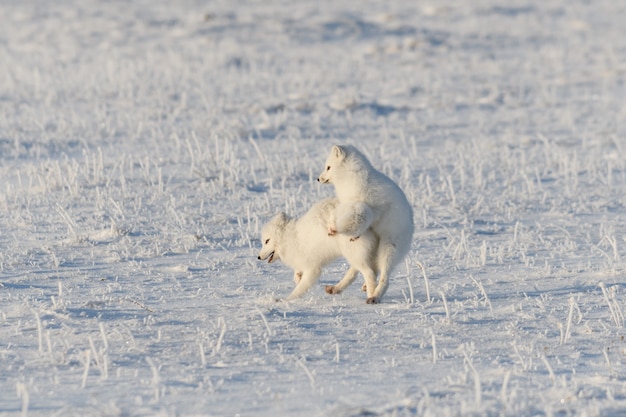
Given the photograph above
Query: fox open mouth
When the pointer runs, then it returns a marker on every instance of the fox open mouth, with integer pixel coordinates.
(271, 258)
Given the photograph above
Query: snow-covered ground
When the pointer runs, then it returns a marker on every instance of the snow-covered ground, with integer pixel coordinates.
(143, 145)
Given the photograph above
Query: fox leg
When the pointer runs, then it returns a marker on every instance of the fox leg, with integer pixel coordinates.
(370, 278)
(309, 278)
(385, 261)
(370, 281)
(347, 279)
(353, 219)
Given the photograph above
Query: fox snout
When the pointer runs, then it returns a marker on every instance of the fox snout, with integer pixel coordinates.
(322, 179)
(262, 256)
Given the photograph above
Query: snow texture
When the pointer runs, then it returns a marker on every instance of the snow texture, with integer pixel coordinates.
(143, 145)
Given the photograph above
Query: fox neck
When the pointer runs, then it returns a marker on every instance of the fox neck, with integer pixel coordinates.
(351, 186)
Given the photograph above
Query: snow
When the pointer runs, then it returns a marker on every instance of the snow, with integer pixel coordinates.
(143, 145)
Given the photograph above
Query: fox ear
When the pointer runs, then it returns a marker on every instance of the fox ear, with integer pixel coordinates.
(339, 152)
(280, 218)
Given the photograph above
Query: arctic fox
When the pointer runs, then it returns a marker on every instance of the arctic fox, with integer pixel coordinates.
(368, 198)
(305, 245)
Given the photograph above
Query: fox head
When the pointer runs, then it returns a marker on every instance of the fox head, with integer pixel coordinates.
(270, 237)
(336, 157)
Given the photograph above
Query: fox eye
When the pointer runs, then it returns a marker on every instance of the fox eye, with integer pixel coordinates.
(267, 241)
(328, 168)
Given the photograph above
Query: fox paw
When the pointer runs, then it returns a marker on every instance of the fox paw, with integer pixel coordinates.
(331, 231)
(331, 289)
(372, 300)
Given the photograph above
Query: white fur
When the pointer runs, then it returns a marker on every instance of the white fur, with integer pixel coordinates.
(306, 246)
(351, 218)
(368, 198)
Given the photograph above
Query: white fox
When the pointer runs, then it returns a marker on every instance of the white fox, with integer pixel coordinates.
(368, 198)
(305, 245)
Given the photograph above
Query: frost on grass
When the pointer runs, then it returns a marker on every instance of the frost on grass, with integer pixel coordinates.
(140, 153)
